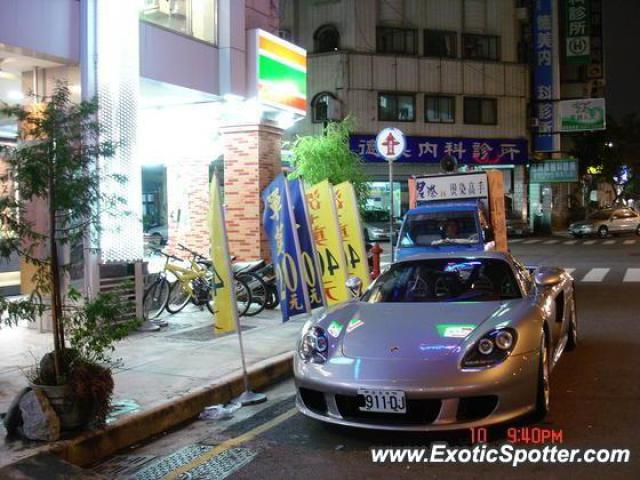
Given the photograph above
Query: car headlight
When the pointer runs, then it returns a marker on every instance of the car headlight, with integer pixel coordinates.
(491, 349)
(314, 345)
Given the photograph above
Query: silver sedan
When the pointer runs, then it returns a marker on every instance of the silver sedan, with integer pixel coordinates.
(607, 221)
(439, 342)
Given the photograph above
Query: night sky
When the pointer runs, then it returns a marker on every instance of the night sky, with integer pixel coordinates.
(622, 56)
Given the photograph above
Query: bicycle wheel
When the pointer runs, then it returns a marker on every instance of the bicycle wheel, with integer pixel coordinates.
(243, 297)
(273, 299)
(155, 298)
(179, 296)
(259, 292)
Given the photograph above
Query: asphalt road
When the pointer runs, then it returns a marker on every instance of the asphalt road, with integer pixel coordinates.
(595, 399)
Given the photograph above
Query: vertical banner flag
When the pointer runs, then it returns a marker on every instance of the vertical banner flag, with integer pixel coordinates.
(326, 235)
(543, 76)
(225, 309)
(285, 252)
(351, 229)
(310, 264)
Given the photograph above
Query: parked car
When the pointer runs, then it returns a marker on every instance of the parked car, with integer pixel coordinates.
(438, 342)
(157, 234)
(375, 224)
(610, 220)
(517, 226)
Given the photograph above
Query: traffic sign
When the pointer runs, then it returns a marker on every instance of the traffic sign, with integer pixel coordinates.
(391, 143)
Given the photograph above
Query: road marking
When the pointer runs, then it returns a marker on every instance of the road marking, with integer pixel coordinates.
(515, 240)
(529, 242)
(589, 242)
(596, 275)
(608, 242)
(232, 442)
(632, 275)
(550, 242)
(569, 270)
(570, 242)
(630, 242)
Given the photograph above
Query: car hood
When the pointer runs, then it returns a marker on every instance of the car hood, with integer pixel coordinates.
(425, 331)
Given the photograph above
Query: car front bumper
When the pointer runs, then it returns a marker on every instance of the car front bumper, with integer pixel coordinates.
(441, 398)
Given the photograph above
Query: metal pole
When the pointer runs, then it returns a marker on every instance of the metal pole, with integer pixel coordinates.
(391, 207)
(244, 363)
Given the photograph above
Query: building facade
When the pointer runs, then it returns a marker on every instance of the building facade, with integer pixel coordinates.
(177, 86)
(450, 74)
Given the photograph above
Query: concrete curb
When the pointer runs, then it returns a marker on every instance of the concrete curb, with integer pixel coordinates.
(91, 447)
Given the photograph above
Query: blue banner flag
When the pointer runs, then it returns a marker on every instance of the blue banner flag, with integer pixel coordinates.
(279, 226)
(543, 81)
(311, 270)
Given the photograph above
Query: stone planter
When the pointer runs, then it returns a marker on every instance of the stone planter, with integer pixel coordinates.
(73, 415)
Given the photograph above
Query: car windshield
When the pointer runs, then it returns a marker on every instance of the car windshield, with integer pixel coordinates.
(601, 215)
(445, 280)
(439, 228)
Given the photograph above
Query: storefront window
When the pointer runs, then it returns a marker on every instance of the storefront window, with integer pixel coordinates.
(196, 18)
(154, 206)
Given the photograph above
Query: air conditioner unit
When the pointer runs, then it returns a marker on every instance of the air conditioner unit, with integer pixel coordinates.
(522, 14)
(285, 35)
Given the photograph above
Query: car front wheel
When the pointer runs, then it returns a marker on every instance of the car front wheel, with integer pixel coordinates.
(603, 232)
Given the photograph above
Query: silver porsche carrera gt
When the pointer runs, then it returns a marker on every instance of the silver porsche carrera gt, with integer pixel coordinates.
(439, 342)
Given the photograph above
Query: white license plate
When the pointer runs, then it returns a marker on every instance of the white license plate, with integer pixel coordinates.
(388, 401)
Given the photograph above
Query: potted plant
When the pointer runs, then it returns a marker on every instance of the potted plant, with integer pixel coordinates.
(55, 166)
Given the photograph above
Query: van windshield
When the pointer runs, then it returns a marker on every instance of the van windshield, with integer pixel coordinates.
(439, 228)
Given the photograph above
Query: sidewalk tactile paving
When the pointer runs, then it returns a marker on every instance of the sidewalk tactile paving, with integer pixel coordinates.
(165, 465)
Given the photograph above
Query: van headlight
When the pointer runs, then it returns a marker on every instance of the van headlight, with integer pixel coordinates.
(492, 349)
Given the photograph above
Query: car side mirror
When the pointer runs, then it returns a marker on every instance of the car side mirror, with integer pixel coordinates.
(548, 277)
(354, 284)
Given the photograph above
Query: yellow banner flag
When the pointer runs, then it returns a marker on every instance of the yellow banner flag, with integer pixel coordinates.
(328, 241)
(351, 229)
(225, 307)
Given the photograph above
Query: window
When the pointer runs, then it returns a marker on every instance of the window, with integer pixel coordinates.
(326, 39)
(320, 106)
(396, 40)
(438, 43)
(481, 47)
(480, 111)
(439, 109)
(196, 18)
(396, 108)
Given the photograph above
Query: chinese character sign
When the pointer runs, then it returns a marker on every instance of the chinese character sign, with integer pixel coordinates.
(577, 31)
(310, 265)
(543, 38)
(351, 229)
(451, 187)
(582, 114)
(225, 307)
(279, 226)
(328, 240)
(554, 171)
(467, 151)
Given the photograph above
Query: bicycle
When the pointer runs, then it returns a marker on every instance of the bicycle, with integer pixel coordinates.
(244, 273)
(199, 290)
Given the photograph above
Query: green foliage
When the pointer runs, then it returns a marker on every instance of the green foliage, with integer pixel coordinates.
(318, 158)
(56, 164)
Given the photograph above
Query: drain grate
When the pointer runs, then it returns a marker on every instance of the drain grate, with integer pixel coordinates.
(165, 465)
(222, 465)
(122, 466)
(203, 334)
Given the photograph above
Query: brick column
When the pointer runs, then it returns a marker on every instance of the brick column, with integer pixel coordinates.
(188, 205)
(251, 162)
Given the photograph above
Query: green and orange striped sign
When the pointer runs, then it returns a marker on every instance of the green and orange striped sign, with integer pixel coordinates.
(280, 73)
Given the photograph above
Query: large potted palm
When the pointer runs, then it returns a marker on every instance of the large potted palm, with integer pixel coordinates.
(55, 167)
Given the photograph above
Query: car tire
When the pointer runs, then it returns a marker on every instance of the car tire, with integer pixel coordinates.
(603, 232)
(544, 387)
(572, 334)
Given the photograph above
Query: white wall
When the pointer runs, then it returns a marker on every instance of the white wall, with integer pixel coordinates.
(44, 26)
